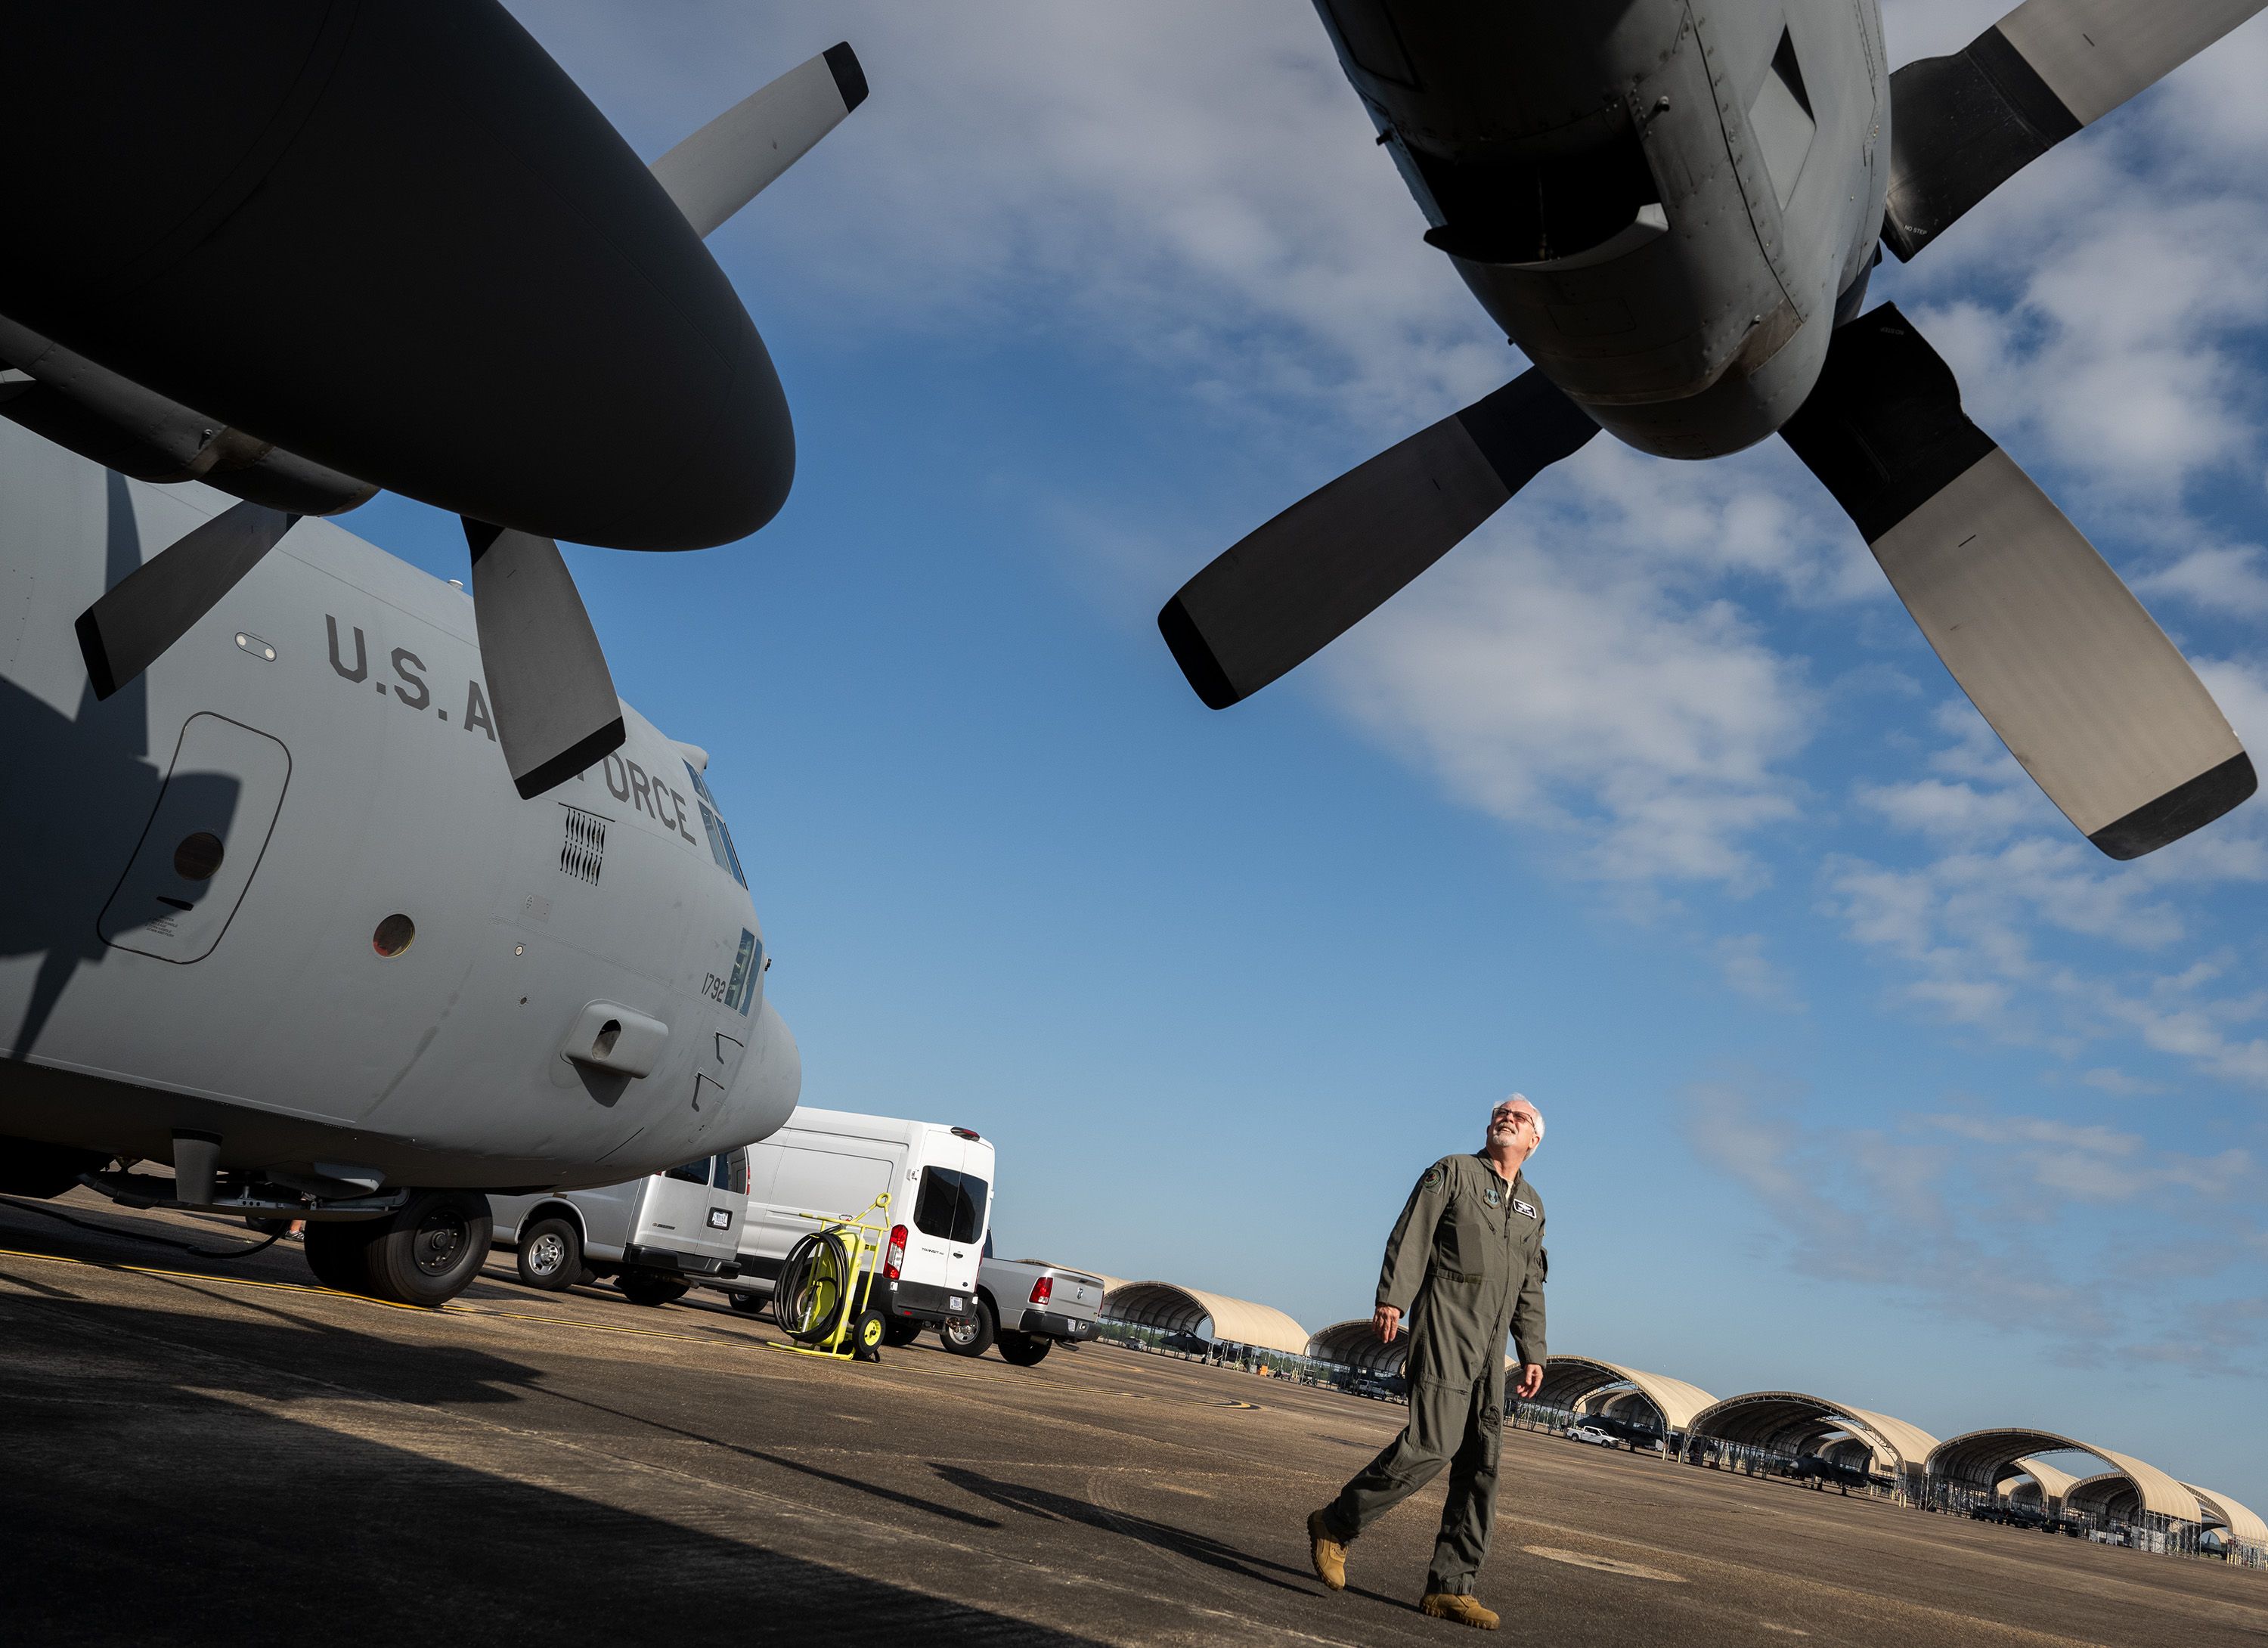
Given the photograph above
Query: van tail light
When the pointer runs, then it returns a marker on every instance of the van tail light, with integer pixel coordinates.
(1043, 1289)
(895, 1260)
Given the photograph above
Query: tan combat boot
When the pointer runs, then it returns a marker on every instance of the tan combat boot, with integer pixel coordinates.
(1328, 1554)
(1454, 1605)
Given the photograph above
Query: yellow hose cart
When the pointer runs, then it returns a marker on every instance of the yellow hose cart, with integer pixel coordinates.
(824, 1297)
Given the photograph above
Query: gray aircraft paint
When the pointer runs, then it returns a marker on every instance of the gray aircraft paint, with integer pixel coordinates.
(351, 777)
(1701, 328)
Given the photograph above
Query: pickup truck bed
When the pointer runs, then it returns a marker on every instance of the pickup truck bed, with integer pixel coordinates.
(1038, 1304)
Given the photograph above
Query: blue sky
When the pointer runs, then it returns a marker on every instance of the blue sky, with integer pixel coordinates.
(1863, 1074)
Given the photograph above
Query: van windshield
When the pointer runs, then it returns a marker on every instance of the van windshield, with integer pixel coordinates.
(951, 1204)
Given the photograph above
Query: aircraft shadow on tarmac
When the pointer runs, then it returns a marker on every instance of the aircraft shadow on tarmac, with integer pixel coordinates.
(156, 1493)
(1164, 1536)
(904, 1501)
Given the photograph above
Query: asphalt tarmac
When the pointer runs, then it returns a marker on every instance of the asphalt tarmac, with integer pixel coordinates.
(203, 1450)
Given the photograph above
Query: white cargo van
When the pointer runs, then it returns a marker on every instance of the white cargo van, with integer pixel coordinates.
(655, 1236)
(830, 1163)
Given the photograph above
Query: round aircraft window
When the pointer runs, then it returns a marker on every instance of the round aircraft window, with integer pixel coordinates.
(197, 856)
(393, 935)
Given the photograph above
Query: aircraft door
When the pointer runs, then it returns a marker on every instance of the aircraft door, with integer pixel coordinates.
(205, 839)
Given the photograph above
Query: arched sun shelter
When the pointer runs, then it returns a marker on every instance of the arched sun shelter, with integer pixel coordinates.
(2034, 1482)
(1169, 1307)
(1965, 1468)
(2107, 1496)
(1673, 1403)
(1789, 1425)
(1354, 1344)
(2243, 1526)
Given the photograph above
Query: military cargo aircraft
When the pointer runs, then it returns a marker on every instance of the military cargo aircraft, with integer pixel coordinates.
(301, 249)
(1673, 210)
(281, 911)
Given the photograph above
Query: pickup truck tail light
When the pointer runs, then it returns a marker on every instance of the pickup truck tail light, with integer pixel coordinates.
(895, 1260)
(1042, 1290)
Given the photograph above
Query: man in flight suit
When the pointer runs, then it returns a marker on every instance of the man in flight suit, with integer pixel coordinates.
(1465, 1265)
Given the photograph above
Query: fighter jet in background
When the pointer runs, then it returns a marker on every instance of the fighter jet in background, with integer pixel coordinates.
(280, 910)
(1673, 211)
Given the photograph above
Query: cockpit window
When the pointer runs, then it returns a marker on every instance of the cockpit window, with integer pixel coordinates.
(748, 972)
(720, 839)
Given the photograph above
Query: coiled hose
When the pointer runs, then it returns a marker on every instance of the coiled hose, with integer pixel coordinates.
(816, 1281)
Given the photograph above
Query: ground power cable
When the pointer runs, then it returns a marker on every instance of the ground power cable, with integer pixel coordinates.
(135, 1235)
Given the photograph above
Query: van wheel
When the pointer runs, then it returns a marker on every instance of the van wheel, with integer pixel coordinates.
(900, 1330)
(642, 1288)
(550, 1255)
(1024, 1349)
(971, 1336)
(428, 1252)
(748, 1303)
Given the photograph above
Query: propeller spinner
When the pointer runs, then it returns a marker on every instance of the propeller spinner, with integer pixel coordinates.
(585, 370)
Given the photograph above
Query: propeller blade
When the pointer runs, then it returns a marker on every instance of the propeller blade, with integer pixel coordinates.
(554, 698)
(1964, 125)
(1290, 589)
(2081, 686)
(735, 157)
(151, 608)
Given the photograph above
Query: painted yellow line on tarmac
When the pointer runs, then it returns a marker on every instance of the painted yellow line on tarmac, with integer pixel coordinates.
(452, 1308)
(569, 1322)
(231, 1281)
(1066, 1385)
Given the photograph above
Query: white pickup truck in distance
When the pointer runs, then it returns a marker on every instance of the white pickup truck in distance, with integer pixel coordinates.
(1027, 1307)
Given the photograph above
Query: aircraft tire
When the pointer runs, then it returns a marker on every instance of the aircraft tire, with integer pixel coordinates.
(338, 1252)
(1024, 1350)
(640, 1289)
(550, 1255)
(430, 1251)
(973, 1335)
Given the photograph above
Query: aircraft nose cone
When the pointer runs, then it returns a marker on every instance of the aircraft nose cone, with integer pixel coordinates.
(395, 239)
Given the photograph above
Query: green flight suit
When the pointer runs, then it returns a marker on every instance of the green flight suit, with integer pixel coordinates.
(1465, 1265)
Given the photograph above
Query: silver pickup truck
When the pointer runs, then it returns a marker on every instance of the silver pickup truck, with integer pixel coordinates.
(1027, 1306)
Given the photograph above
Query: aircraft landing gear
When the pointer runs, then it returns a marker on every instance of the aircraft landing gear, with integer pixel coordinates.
(424, 1254)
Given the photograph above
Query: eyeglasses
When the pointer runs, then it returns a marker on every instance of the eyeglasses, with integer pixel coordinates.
(1511, 1115)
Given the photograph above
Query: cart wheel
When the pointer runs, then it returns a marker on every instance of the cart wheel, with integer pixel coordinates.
(866, 1335)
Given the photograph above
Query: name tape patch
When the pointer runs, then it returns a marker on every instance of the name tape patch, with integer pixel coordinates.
(1519, 1206)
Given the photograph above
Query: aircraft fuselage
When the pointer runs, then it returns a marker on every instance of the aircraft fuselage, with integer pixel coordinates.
(208, 870)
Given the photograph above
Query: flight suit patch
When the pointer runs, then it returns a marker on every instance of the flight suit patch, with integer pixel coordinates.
(1518, 1206)
(1493, 1194)
(1432, 1181)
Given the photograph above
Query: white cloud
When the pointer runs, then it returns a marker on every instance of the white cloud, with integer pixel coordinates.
(2108, 1078)
(1951, 811)
(1748, 971)
(2218, 578)
(2021, 1221)
(1562, 692)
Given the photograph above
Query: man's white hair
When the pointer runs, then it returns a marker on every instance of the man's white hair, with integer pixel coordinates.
(1527, 1104)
